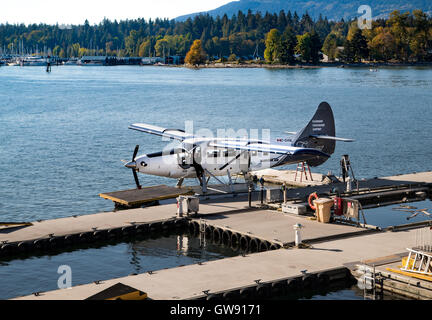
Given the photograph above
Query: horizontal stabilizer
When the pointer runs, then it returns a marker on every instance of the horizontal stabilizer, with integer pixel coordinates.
(332, 138)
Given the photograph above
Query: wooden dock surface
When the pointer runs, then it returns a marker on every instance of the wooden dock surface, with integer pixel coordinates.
(135, 197)
(189, 282)
(276, 227)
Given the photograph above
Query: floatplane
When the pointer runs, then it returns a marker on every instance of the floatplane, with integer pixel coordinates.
(202, 157)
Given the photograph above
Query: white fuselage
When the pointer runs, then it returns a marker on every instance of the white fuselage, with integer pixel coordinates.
(181, 162)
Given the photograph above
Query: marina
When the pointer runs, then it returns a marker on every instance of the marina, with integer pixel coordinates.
(265, 236)
(70, 210)
(324, 262)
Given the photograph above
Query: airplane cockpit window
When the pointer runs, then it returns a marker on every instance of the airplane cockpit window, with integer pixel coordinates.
(213, 153)
(165, 152)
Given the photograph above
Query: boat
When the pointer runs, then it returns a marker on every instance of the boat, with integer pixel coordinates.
(33, 61)
(92, 61)
(71, 62)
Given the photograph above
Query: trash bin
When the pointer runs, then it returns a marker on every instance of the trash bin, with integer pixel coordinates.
(323, 209)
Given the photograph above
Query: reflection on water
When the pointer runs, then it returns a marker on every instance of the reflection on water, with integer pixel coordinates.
(354, 293)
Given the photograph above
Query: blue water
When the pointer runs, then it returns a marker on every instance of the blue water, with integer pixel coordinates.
(399, 214)
(38, 274)
(63, 134)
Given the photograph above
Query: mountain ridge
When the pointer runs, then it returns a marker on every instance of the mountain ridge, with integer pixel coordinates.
(332, 9)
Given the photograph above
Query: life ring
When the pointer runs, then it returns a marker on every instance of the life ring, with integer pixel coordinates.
(312, 195)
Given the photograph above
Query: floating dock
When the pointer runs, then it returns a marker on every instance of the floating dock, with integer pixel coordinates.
(252, 275)
(276, 265)
(137, 197)
(134, 198)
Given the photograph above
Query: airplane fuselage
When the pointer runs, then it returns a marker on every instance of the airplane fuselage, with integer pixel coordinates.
(182, 162)
(201, 157)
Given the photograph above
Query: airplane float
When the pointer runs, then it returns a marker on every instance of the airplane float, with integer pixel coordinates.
(205, 157)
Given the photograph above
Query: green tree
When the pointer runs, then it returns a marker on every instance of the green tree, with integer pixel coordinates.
(196, 54)
(273, 46)
(419, 43)
(131, 43)
(303, 47)
(359, 46)
(161, 47)
(330, 46)
(316, 47)
(288, 44)
(232, 57)
(398, 23)
(309, 46)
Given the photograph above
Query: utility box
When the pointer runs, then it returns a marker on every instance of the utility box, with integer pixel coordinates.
(273, 195)
(294, 208)
(186, 205)
(351, 208)
(323, 209)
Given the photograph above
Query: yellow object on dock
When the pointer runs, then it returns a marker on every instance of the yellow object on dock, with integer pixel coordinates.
(119, 291)
(411, 274)
(8, 225)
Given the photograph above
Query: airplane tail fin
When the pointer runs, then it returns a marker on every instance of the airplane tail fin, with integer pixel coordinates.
(318, 134)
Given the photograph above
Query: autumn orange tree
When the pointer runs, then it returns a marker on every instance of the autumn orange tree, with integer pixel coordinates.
(196, 54)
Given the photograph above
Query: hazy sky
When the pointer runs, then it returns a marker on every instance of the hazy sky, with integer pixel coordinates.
(76, 11)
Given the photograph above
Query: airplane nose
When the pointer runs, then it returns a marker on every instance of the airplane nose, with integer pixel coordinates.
(131, 165)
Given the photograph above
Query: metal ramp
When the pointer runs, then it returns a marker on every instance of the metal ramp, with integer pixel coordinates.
(418, 262)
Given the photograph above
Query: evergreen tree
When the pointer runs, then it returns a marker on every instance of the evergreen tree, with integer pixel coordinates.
(330, 46)
(359, 46)
(288, 44)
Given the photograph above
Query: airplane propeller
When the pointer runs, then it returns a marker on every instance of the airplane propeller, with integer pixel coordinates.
(133, 166)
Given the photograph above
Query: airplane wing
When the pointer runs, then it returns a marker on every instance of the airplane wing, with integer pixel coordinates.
(270, 148)
(177, 134)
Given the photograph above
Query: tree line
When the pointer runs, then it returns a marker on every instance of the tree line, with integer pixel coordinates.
(403, 37)
(220, 36)
(280, 38)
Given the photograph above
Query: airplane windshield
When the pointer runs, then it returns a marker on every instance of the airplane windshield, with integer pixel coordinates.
(165, 153)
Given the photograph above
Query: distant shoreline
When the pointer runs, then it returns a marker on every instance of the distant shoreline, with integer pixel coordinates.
(228, 65)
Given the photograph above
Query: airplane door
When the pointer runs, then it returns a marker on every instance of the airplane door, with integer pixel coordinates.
(244, 162)
(197, 157)
(184, 160)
